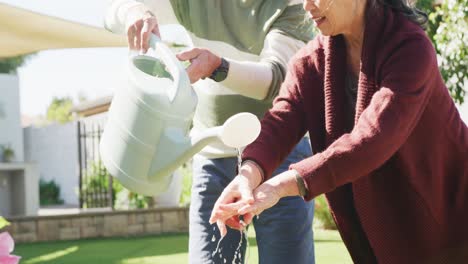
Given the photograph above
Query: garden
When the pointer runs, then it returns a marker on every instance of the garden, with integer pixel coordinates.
(448, 30)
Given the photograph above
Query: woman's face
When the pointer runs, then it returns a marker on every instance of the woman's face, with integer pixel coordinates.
(332, 17)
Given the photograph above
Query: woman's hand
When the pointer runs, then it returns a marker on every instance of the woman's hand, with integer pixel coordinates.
(139, 29)
(265, 196)
(235, 196)
(270, 192)
(202, 63)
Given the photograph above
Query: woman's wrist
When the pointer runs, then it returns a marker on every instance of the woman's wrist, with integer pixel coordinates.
(253, 172)
(286, 184)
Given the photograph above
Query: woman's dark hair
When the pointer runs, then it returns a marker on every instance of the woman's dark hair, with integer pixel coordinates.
(407, 9)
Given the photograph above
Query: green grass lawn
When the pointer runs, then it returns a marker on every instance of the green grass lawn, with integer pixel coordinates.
(165, 249)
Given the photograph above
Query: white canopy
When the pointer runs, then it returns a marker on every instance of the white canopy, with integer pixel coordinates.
(23, 31)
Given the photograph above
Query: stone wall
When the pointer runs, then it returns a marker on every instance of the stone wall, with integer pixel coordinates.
(99, 225)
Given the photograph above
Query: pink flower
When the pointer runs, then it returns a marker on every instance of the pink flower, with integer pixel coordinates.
(6, 247)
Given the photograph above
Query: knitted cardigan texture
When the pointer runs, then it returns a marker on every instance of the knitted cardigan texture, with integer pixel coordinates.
(397, 183)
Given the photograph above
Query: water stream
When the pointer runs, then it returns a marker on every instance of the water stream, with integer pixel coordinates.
(243, 233)
(213, 239)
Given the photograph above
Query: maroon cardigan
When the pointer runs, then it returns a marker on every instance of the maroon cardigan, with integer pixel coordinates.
(399, 179)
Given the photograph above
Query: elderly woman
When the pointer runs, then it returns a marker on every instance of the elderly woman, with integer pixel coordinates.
(391, 148)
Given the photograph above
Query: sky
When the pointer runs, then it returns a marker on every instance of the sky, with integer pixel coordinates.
(92, 73)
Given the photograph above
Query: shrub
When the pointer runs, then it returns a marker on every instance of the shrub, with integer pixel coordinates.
(186, 171)
(127, 200)
(97, 178)
(448, 30)
(449, 33)
(7, 153)
(322, 214)
(49, 193)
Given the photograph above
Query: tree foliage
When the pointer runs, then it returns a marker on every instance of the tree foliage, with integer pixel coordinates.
(451, 42)
(322, 213)
(11, 64)
(59, 110)
(448, 30)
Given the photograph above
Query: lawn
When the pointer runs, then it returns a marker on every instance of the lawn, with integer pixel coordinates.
(165, 249)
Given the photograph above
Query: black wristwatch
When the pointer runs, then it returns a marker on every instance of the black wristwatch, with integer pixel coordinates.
(220, 73)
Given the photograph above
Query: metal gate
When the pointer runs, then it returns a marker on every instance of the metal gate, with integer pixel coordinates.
(95, 183)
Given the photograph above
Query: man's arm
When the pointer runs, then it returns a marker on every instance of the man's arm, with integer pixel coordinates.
(262, 80)
(259, 80)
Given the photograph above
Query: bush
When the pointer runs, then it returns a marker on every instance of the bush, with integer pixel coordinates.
(322, 214)
(448, 30)
(98, 179)
(127, 200)
(49, 193)
(186, 171)
(449, 33)
(7, 153)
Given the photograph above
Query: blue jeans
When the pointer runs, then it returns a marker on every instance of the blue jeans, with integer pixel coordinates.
(283, 232)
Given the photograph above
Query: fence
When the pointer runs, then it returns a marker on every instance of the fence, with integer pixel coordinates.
(95, 183)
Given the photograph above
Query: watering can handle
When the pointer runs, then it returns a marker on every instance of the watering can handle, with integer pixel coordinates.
(174, 67)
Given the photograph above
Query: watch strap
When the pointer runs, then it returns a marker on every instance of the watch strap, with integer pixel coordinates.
(220, 73)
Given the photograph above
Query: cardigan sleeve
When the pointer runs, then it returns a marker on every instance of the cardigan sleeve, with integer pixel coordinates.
(282, 127)
(383, 126)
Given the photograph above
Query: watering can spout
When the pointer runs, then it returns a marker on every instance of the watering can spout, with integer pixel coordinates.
(199, 140)
(237, 132)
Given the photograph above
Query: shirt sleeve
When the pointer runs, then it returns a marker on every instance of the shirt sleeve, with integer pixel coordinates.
(384, 125)
(118, 13)
(261, 80)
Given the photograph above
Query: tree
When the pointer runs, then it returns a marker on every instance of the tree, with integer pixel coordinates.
(59, 110)
(11, 64)
(451, 42)
(448, 31)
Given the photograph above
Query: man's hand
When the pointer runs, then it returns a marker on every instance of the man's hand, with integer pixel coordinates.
(203, 63)
(139, 29)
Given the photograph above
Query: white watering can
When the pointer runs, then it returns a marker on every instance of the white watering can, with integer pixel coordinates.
(146, 137)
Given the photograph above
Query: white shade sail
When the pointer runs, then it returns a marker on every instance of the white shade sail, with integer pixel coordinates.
(23, 31)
